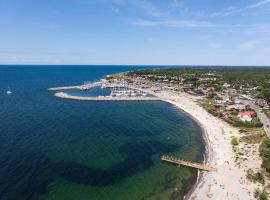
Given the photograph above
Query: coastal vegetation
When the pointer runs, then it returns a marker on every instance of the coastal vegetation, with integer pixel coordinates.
(265, 154)
(260, 195)
(230, 117)
(253, 136)
(267, 112)
(255, 177)
(234, 141)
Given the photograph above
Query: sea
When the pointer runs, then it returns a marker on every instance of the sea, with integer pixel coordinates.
(58, 149)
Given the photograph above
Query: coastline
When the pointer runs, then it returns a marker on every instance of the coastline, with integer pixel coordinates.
(229, 180)
(207, 151)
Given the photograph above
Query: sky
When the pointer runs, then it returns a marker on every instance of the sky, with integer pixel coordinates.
(135, 32)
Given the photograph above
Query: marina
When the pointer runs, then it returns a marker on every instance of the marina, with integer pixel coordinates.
(120, 92)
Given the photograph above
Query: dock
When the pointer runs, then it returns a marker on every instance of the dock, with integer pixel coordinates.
(64, 88)
(105, 98)
(78, 87)
(199, 166)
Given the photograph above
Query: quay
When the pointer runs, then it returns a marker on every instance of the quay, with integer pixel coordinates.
(105, 98)
(64, 88)
(78, 87)
(200, 166)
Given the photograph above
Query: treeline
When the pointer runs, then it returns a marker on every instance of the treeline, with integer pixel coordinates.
(239, 77)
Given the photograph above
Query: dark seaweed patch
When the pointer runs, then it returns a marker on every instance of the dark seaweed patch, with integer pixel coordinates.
(27, 175)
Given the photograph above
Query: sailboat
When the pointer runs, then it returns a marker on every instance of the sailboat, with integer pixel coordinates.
(9, 91)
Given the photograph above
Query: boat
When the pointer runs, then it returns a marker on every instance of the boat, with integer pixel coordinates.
(9, 91)
(83, 88)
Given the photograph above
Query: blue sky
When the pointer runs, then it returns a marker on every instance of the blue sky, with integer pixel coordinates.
(207, 32)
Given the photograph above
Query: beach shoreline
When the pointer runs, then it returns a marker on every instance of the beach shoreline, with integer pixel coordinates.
(207, 149)
(229, 181)
(207, 152)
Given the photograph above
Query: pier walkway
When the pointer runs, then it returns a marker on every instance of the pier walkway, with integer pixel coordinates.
(78, 87)
(171, 159)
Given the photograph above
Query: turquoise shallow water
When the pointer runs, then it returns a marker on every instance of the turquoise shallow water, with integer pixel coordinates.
(52, 148)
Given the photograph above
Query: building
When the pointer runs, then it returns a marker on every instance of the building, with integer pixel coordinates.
(237, 106)
(262, 103)
(246, 116)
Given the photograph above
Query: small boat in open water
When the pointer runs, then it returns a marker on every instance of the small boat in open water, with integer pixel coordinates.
(9, 91)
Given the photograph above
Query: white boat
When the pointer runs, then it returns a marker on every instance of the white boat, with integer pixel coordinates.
(9, 91)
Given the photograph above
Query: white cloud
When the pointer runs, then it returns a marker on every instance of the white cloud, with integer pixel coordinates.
(234, 10)
(248, 44)
(173, 23)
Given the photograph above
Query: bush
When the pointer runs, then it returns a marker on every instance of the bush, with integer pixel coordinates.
(263, 196)
(234, 141)
(242, 131)
(255, 138)
(265, 154)
(255, 177)
(257, 193)
(235, 121)
(267, 112)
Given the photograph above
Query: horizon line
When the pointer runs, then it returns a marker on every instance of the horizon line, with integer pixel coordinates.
(139, 65)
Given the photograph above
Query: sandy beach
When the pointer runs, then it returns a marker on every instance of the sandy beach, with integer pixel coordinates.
(229, 181)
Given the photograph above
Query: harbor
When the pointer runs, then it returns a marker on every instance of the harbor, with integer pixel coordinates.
(118, 92)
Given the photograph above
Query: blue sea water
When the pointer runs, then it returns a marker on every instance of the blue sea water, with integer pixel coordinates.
(52, 148)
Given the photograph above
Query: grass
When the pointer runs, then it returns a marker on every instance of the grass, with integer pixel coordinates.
(255, 177)
(265, 154)
(267, 112)
(253, 136)
(236, 122)
(234, 141)
(260, 195)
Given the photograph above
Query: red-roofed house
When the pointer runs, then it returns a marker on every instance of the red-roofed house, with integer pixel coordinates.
(246, 116)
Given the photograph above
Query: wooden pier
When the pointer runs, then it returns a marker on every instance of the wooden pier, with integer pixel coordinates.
(200, 166)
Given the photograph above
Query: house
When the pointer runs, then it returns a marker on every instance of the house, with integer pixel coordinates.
(226, 115)
(237, 106)
(262, 103)
(246, 116)
(226, 85)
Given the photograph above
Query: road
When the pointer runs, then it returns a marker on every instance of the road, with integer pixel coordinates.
(263, 118)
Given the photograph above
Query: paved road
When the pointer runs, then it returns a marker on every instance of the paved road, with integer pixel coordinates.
(264, 119)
